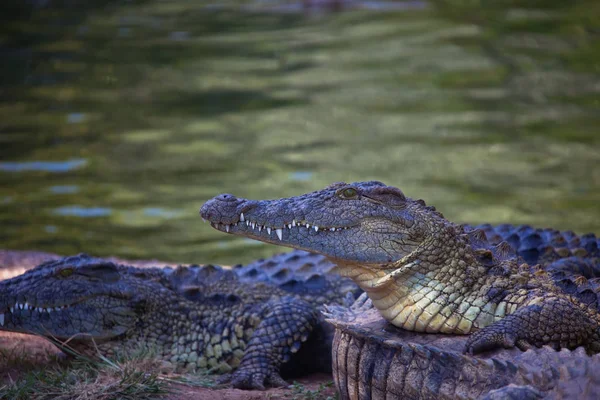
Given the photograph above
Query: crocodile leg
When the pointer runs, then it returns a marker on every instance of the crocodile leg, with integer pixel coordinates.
(555, 322)
(286, 323)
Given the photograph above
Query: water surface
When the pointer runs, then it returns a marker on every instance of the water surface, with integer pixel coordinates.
(120, 118)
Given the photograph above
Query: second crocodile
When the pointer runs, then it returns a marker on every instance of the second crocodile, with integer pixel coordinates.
(258, 320)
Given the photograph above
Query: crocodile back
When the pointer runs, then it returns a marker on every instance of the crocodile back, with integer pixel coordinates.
(572, 260)
(579, 277)
(305, 274)
(301, 273)
(541, 246)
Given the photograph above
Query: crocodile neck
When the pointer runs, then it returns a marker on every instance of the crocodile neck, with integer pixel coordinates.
(421, 292)
(443, 286)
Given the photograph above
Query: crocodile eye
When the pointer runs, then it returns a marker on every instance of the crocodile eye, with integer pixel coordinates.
(66, 272)
(348, 193)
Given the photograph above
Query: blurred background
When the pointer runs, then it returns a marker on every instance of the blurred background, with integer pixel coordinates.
(118, 119)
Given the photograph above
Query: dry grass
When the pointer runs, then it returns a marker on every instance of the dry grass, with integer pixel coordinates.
(137, 377)
(44, 375)
(31, 369)
(41, 376)
(325, 391)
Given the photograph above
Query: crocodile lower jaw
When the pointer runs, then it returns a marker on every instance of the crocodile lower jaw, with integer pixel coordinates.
(38, 311)
(246, 227)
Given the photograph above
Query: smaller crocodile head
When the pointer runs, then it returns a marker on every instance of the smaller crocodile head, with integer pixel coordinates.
(366, 223)
(78, 298)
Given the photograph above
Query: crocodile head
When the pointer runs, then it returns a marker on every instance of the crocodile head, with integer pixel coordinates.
(78, 298)
(359, 223)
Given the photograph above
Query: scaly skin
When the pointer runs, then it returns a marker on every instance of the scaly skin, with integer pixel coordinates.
(193, 317)
(422, 272)
(373, 360)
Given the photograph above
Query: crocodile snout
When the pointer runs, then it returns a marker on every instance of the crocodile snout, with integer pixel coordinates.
(224, 209)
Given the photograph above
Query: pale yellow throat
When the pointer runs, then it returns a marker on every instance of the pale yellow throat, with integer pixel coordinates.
(413, 301)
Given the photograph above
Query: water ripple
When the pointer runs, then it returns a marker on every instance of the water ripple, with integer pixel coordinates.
(83, 212)
(48, 166)
(64, 189)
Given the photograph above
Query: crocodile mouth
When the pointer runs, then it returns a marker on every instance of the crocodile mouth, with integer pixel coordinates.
(34, 311)
(62, 322)
(249, 227)
(26, 311)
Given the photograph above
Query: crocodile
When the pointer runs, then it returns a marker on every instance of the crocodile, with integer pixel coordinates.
(372, 359)
(252, 323)
(426, 274)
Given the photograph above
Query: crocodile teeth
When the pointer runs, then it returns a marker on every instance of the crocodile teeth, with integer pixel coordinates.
(279, 233)
(227, 228)
(12, 310)
(307, 226)
(247, 222)
(268, 230)
(2, 319)
(293, 222)
(253, 225)
(316, 228)
(332, 229)
(289, 226)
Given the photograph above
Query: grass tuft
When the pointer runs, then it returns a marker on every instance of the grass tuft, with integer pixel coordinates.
(300, 392)
(127, 378)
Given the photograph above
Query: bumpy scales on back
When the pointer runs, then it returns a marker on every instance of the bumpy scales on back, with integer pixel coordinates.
(253, 318)
(426, 274)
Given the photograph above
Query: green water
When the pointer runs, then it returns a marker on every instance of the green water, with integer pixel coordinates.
(118, 119)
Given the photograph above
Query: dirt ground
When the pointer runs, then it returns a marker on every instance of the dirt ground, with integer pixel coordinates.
(311, 383)
(42, 352)
(39, 354)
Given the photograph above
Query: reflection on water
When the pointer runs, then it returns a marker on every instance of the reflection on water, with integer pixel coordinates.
(49, 166)
(300, 176)
(75, 118)
(84, 212)
(64, 189)
(120, 118)
(320, 6)
(161, 212)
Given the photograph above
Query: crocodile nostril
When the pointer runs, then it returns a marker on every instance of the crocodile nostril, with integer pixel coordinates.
(226, 197)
